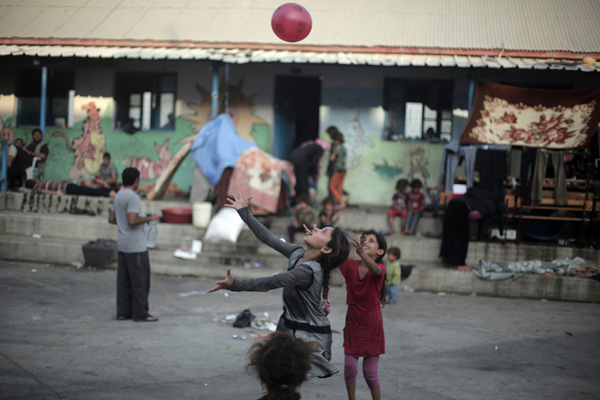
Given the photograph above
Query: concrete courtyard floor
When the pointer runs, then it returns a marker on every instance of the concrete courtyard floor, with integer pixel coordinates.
(59, 340)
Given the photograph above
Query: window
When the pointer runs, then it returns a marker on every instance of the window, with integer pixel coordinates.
(59, 90)
(145, 101)
(418, 110)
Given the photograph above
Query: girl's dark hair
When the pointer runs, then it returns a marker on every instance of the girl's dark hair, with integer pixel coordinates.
(281, 362)
(327, 200)
(401, 184)
(332, 130)
(382, 244)
(395, 251)
(416, 183)
(340, 248)
(339, 136)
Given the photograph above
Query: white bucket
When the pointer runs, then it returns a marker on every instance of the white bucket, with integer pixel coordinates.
(201, 214)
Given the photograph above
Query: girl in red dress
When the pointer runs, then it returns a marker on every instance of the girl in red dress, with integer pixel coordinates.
(365, 292)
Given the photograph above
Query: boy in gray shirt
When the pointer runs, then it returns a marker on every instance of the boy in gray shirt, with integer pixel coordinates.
(107, 175)
(133, 274)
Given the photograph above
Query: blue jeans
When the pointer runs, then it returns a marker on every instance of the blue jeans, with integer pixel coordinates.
(392, 293)
(411, 220)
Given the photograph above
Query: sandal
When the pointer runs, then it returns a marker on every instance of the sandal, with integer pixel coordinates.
(122, 318)
(149, 318)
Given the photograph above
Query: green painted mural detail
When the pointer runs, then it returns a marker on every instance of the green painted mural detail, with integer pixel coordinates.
(374, 178)
(387, 171)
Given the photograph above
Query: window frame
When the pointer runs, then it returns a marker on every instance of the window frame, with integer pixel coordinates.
(397, 93)
(53, 93)
(154, 86)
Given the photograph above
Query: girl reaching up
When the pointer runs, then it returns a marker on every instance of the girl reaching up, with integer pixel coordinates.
(365, 294)
(307, 276)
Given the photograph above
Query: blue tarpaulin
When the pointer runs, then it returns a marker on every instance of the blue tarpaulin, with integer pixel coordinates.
(218, 146)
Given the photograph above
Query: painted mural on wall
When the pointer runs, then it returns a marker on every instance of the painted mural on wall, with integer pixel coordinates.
(6, 132)
(373, 164)
(87, 148)
(419, 158)
(356, 139)
(76, 153)
(149, 168)
(241, 108)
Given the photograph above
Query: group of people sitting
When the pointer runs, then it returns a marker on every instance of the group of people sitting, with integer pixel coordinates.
(34, 153)
(22, 156)
(304, 215)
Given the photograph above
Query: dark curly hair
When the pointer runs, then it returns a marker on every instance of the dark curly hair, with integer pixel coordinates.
(401, 184)
(282, 363)
(382, 244)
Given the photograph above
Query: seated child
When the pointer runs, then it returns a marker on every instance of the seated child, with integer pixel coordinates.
(303, 216)
(398, 207)
(415, 203)
(328, 216)
(107, 176)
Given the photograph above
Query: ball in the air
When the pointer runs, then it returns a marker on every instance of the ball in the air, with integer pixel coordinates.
(291, 22)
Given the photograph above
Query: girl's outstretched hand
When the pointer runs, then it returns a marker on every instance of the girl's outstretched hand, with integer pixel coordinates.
(224, 284)
(358, 244)
(237, 201)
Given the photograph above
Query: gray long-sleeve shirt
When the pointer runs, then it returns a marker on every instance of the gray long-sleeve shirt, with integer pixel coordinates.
(302, 284)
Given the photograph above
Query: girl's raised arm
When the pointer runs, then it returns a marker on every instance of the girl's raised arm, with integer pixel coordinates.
(369, 262)
(239, 203)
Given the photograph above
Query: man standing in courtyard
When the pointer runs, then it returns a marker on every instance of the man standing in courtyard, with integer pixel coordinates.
(133, 274)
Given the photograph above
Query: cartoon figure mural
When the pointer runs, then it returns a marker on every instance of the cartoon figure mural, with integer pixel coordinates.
(5, 132)
(419, 158)
(355, 138)
(241, 109)
(87, 148)
(149, 168)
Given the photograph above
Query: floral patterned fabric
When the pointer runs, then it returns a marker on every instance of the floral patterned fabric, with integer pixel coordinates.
(258, 175)
(553, 119)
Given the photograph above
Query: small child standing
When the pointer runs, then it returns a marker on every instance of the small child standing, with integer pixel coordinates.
(365, 293)
(328, 216)
(304, 216)
(398, 207)
(415, 203)
(338, 172)
(393, 274)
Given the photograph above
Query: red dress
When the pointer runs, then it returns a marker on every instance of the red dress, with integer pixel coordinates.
(363, 333)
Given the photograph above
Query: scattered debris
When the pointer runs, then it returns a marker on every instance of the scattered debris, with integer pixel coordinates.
(192, 293)
(405, 288)
(36, 236)
(185, 254)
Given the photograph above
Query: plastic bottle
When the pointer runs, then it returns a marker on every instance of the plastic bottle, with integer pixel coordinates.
(151, 229)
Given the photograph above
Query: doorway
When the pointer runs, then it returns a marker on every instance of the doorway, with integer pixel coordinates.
(297, 102)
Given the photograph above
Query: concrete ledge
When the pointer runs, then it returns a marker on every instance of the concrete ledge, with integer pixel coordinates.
(529, 286)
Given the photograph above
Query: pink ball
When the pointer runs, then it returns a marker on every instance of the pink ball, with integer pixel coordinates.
(291, 22)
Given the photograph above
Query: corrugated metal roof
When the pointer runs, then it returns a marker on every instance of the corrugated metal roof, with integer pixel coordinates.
(241, 56)
(509, 25)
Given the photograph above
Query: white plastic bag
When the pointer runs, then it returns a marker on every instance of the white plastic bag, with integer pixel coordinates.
(226, 225)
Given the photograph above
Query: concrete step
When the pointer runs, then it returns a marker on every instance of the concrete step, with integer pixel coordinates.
(208, 263)
(357, 219)
(41, 203)
(86, 228)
